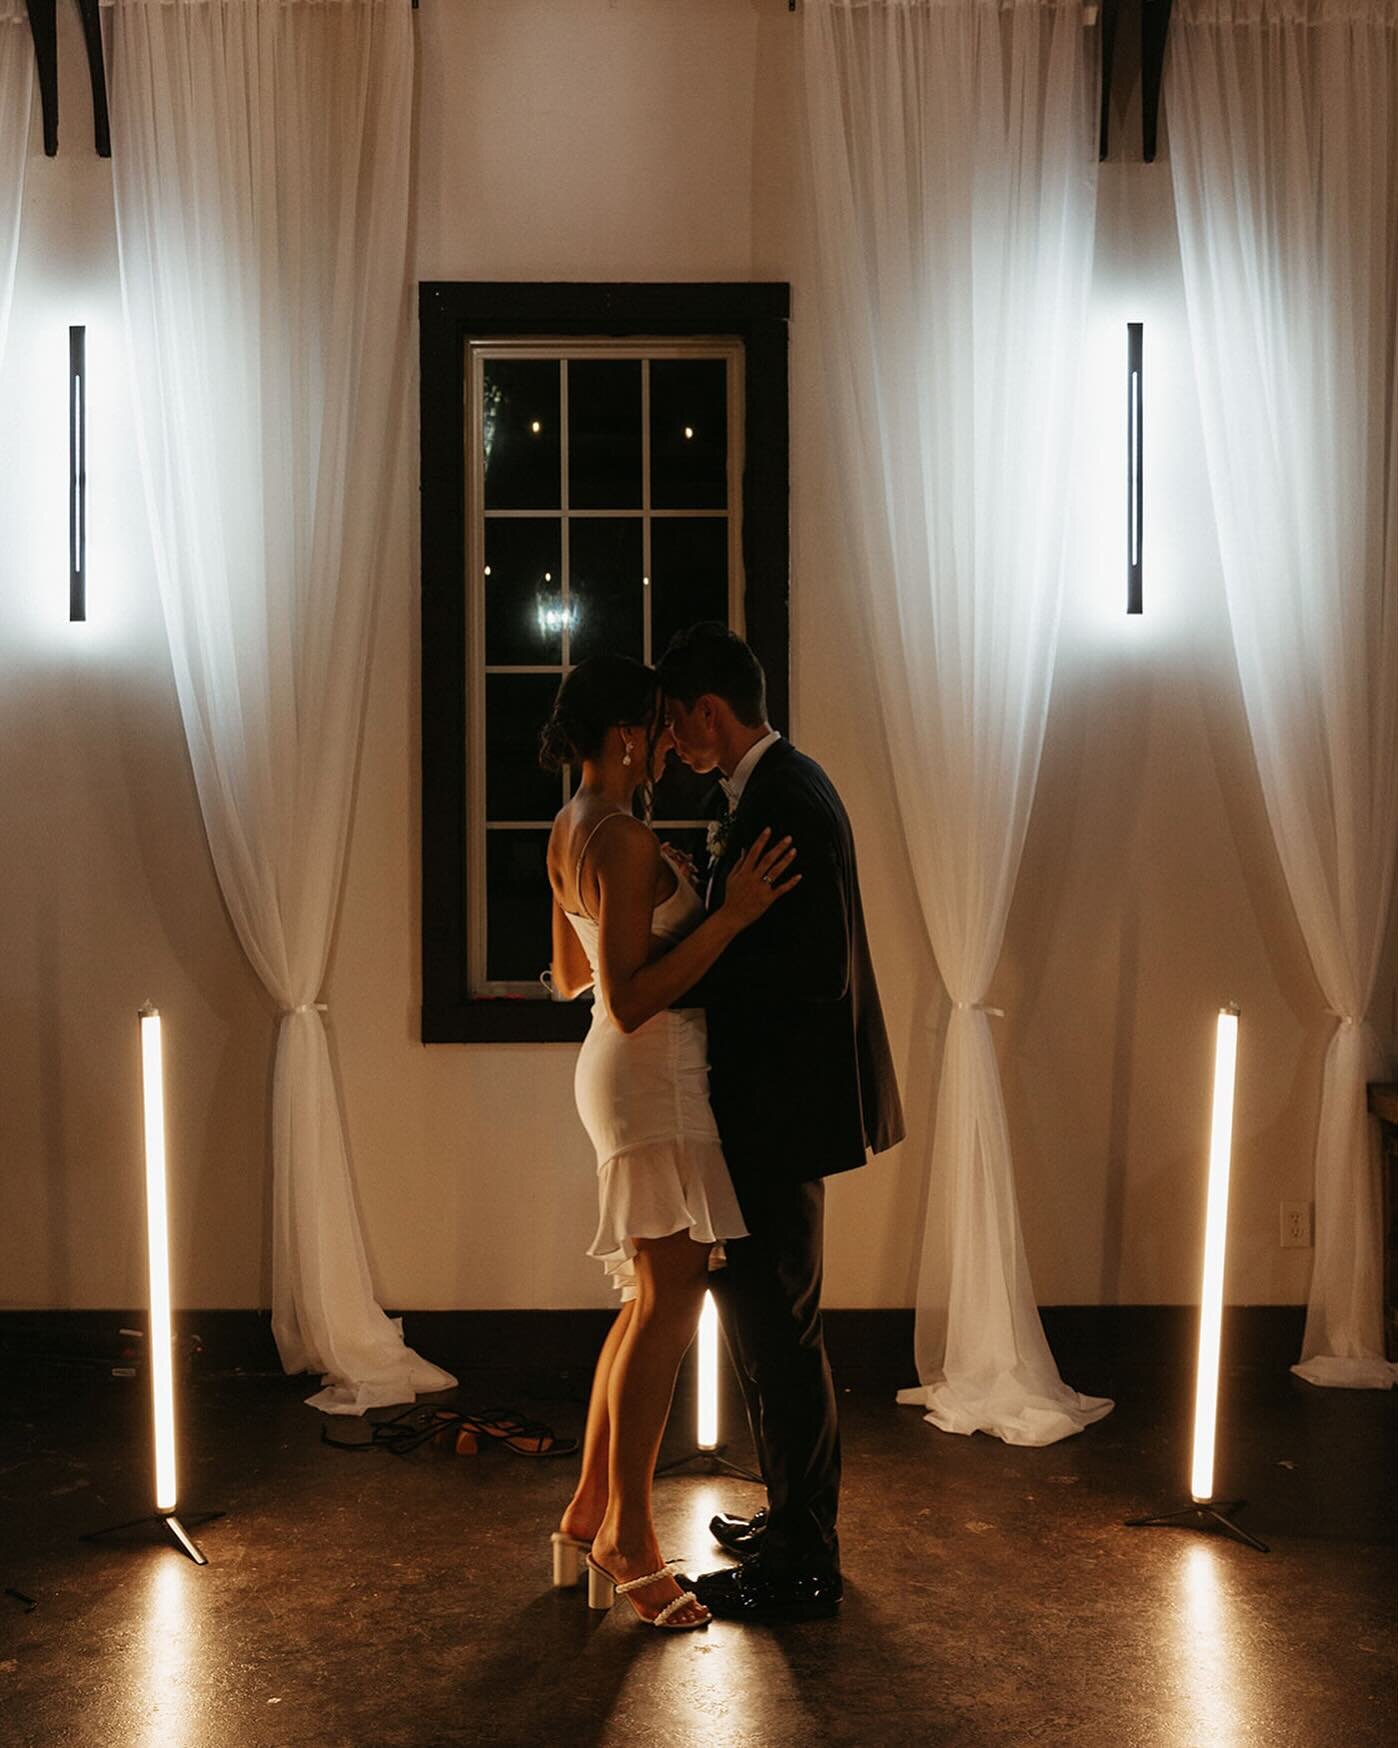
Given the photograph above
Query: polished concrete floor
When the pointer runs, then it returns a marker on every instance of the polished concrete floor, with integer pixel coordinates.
(994, 1596)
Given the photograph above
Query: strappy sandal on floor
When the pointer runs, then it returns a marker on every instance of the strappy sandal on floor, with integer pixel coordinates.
(603, 1590)
(570, 1559)
(526, 1438)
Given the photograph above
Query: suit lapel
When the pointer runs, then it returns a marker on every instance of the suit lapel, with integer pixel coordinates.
(741, 831)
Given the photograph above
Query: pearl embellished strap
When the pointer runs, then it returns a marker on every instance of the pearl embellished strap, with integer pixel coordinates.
(636, 1584)
(672, 1608)
(640, 1583)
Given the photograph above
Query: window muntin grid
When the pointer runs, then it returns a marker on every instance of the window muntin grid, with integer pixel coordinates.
(493, 832)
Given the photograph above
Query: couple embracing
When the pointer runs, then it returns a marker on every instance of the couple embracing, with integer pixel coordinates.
(736, 1058)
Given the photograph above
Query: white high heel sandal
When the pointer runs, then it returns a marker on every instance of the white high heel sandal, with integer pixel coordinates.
(569, 1559)
(603, 1590)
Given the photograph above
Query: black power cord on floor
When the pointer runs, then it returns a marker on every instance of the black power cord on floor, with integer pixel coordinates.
(422, 1422)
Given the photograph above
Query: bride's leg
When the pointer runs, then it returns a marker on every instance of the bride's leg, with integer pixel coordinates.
(588, 1505)
(671, 1274)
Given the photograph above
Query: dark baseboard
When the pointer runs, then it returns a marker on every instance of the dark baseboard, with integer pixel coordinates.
(545, 1353)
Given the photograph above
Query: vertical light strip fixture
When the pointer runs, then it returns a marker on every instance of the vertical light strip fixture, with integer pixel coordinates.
(1135, 466)
(1206, 1511)
(707, 1438)
(1201, 1481)
(707, 1456)
(160, 1337)
(77, 474)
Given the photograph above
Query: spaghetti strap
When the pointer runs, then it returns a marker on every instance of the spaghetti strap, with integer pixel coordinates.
(616, 813)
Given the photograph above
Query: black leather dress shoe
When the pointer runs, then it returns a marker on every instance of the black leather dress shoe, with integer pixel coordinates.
(740, 1535)
(757, 1592)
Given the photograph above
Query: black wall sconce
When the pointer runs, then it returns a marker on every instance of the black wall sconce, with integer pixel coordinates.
(77, 474)
(1135, 466)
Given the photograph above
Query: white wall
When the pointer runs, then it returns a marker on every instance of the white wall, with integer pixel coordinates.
(624, 139)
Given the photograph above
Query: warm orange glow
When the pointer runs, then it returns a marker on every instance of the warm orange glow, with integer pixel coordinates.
(1215, 1255)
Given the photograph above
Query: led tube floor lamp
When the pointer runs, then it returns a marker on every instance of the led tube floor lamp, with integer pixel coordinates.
(707, 1456)
(1206, 1512)
(160, 1342)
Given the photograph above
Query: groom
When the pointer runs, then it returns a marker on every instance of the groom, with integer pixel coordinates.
(802, 1086)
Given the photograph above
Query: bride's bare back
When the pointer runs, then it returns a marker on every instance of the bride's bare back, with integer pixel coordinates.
(573, 871)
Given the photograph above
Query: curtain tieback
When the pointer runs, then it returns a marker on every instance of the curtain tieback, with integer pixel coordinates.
(1344, 1019)
(980, 1007)
(307, 1007)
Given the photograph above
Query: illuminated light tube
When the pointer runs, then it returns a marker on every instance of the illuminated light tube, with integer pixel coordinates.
(1201, 1484)
(77, 474)
(1135, 467)
(158, 1249)
(707, 1439)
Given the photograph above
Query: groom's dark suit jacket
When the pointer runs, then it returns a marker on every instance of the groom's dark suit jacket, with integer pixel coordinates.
(801, 1077)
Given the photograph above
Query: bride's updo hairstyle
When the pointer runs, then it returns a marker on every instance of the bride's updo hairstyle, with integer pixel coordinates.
(600, 694)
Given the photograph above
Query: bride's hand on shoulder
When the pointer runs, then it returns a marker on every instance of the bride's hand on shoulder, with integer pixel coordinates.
(759, 878)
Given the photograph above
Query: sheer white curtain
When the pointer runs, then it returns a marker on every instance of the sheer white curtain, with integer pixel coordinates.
(1283, 120)
(16, 90)
(953, 182)
(261, 153)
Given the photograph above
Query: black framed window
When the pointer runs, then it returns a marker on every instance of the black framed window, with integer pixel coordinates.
(601, 466)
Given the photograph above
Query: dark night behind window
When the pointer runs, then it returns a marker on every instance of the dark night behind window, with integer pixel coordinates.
(603, 524)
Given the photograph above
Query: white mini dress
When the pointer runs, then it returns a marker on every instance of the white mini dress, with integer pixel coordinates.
(643, 1098)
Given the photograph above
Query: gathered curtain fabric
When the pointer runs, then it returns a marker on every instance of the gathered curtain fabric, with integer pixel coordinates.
(1283, 118)
(261, 162)
(16, 96)
(953, 176)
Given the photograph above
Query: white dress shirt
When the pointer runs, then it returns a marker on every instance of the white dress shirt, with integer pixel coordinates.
(734, 786)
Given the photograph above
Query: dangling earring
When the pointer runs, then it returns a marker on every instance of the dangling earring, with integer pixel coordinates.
(627, 759)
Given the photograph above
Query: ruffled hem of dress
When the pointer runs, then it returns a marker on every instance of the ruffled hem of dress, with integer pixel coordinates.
(686, 1188)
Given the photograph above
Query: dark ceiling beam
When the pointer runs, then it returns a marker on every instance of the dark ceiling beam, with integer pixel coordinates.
(43, 26)
(1108, 15)
(1155, 28)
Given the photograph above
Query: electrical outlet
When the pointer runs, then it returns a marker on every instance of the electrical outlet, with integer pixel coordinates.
(1296, 1226)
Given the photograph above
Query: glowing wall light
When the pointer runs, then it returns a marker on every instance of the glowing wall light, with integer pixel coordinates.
(77, 474)
(1135, 466)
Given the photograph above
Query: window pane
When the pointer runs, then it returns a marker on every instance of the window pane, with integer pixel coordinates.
(688, 575)
(517, 921)
(523, 592)
(688, 434)
(517, 706)
(604, 434)
(520, 426)
(605, 586)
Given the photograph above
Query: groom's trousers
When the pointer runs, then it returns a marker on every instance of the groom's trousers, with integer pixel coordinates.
(769, 1302)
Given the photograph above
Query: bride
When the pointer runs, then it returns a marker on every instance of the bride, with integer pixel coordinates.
(628, 923)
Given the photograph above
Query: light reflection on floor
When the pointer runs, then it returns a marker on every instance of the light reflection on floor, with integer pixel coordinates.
(166, 1682)
(1209, 1674)
(708, 1673)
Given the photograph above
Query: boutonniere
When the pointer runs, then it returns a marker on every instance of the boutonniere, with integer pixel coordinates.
(719, 832)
